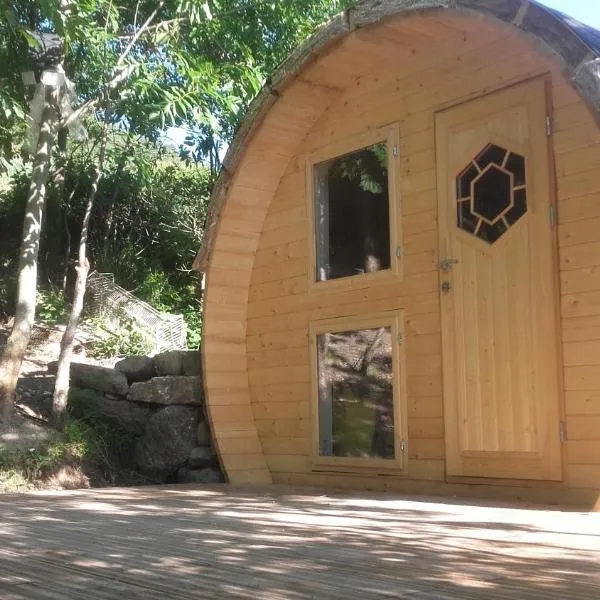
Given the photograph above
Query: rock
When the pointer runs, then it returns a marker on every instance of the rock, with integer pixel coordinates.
(202, 456)
(169, 363)
(168, 439)
(136, 368)
(203, 434)
(178, 362)
(208, 475)
(97, 378)
(191, 363)
(167, 390)
(52, 367)
(21, 434)
(129, 416)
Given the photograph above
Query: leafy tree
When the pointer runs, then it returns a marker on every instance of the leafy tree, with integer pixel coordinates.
(140, 66)
(147, 223)
(45, 127)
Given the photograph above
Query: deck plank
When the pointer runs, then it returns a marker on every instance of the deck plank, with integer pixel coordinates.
(281, 543)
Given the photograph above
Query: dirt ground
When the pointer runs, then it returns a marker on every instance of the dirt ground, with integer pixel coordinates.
(36, 383)
(30, 428)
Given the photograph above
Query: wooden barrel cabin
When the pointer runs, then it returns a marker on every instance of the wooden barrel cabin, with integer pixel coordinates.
(402, 259)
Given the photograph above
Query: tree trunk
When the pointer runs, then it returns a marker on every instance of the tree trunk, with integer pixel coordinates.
(61, 387)
(67, 250)
(14, 352)
(59, 182)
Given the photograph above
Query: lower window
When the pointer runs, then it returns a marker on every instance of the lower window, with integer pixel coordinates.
(357, 391)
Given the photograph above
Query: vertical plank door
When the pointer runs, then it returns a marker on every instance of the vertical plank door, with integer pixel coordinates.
(498, 287)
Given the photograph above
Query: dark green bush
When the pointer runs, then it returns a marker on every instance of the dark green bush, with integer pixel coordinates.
(146, 228)
(124, 341)
(52, 306)
(83, 443)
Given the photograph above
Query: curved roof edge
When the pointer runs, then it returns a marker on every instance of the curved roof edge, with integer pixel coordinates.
(575, 44)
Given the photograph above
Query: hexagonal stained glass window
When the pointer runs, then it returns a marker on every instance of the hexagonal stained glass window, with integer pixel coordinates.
(491, 193)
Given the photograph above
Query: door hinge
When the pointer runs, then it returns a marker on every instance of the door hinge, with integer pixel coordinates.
(403, 445)
(398, 252)
(549, 126)
(396, 151)
(562, 432)
(400, 339)
(552, 216)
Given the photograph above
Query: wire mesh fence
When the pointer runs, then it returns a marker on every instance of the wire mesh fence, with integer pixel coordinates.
(118, 308)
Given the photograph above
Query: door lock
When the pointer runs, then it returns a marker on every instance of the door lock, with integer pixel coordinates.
(446, 264)
(446, 287)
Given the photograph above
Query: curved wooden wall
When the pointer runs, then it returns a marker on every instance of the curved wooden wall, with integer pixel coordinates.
(257, 304)
(227, 281)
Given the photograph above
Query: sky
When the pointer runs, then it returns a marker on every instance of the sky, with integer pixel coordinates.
(586, 11)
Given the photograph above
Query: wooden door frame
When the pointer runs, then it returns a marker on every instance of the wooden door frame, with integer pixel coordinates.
(553, 252)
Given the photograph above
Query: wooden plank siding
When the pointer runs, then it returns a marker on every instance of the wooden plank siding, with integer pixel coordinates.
(232, 260)
(263, 354)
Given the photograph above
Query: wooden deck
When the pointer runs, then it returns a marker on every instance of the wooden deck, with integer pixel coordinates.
(282, 543)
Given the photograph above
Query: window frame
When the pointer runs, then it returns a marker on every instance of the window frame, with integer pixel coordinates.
(395, 320)
(391, 135)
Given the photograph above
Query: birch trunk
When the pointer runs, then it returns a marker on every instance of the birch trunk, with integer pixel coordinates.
(16, 346)
(61, 387)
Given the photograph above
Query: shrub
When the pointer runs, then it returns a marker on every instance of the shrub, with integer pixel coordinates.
(52, 306)
(124, 341)
(178, 297)
(85, 442)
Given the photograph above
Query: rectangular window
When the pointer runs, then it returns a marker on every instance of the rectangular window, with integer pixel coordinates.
(357, 364)
(353, 204)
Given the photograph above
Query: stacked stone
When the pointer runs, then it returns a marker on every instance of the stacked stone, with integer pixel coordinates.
(159, 401)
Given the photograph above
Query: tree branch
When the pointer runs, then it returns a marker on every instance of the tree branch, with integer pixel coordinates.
(121, 73)
(157, 26)
(139, 32)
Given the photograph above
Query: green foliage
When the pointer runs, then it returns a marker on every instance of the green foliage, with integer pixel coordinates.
(22, 469)
(172, 293)
(198, 65)
(101, 443)
(12, 480)
(52, 306)
(226, 59)
(146, 230)
(366, 168)
(125, 341)
(13, 193)
(15, 41)
(158, 291)
(193, 321)
(110, 445)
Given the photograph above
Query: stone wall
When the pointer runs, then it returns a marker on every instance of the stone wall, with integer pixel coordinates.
(158, 403)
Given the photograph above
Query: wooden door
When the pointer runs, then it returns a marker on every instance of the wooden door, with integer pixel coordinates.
(498, 288)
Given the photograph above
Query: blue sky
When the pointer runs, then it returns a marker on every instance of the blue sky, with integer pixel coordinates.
(586, 11)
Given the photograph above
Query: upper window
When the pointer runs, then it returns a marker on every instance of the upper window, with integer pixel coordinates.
(352, 207)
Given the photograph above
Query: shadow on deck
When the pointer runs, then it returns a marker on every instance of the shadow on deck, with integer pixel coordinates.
(288, 543)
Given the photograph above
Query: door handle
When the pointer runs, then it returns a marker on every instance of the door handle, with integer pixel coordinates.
(446, 264)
